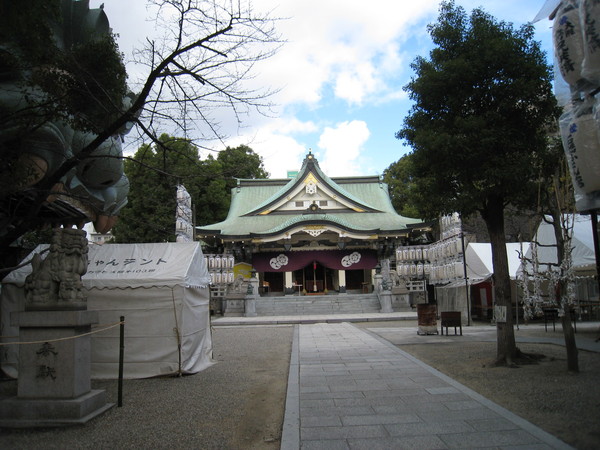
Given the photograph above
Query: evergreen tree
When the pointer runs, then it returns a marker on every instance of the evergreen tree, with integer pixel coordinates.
(478, 129)
(399, 179)
(154, 173)
(156, 170)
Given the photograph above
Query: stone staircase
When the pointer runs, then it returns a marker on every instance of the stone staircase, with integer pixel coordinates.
(317, 304)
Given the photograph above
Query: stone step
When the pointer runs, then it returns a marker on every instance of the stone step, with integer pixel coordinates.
(317, 304)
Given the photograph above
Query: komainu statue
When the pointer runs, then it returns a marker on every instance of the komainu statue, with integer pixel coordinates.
(55, 283)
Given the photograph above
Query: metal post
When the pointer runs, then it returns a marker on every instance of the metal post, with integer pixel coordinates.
(462, 241)
(121, 354)
(594, 215)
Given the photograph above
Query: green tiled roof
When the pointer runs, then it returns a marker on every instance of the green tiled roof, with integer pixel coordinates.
(254, 196)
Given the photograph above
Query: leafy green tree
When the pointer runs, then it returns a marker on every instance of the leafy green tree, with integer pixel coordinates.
(154, 173)
(399, 179)
(156, 170)
(478, 129)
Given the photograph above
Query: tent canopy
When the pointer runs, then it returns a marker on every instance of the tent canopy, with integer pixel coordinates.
(582, 244)
(146, 265)
(479, 260)
(160, 289)
(114, 266)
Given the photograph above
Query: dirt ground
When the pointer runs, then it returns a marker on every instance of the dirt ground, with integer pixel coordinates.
(545, 394)
(239, 402)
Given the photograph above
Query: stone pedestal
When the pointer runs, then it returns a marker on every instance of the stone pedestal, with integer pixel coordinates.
(250, 309)
(54, 385)
(233, 305)
(385, 300)
(250, 300)
(377, 279)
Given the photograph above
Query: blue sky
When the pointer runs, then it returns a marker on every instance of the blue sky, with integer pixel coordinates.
(340, 76)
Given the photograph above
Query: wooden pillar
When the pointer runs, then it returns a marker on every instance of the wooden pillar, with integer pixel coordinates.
(288, 282)
(342, 281)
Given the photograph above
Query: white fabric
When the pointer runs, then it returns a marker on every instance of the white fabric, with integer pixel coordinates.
(146, 265)
(479, 260)
(582, 243)
(162, 293)
(547, 9)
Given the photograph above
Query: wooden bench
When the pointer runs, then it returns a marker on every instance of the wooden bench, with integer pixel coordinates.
(551, 315)
(451, 319)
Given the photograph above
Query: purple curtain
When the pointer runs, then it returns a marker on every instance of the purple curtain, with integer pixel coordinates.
(332, 259)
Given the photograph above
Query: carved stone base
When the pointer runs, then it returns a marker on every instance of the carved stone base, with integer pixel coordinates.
(18, 412)
(233, 306)
(385, 300)
(54, 384)
(250, 307)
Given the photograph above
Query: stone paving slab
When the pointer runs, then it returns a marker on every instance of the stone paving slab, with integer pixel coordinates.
(350, 389)
(313, 318)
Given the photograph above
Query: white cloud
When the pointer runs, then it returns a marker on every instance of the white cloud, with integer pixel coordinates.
(280, 153)
(276, 142)
(341, 57)
(356, 85)
(339, 43)
(341, 147)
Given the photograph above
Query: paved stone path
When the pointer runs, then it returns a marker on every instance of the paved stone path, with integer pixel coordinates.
(351, 389)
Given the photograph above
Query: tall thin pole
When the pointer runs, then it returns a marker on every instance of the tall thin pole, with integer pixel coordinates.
(462, 241)
(121, 357)
(594, 215)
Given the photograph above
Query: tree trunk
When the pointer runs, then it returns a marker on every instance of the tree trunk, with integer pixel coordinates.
(505, 334)
(570, 344)
(567, 326)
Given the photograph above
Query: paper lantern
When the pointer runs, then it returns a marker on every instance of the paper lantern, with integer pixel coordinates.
(568, 43)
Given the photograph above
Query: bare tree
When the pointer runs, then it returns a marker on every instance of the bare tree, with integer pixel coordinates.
(200, 67)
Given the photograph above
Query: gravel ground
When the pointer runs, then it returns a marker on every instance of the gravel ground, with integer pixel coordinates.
(236, 403)
(239, 402)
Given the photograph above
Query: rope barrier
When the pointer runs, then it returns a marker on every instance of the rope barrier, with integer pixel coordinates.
(108, 327)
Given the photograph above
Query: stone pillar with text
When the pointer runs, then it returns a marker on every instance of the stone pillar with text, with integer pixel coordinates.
(54, 382)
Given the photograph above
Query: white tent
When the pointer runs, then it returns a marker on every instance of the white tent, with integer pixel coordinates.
(453, 296)
(582, 252)
(160, 289)
(479, 260)
(582, 243)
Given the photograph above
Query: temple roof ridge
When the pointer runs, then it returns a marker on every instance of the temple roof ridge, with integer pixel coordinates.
(310, 165)
(311, 219)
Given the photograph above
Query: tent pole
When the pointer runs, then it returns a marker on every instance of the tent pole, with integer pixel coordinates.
(121, 354)
(177, 333)
(594, 215)
(462, 241)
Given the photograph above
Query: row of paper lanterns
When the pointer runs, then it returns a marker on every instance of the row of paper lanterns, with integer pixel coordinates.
(445, 249)
(435, 252)
(446, 272)
(417, 270)
(449, 225)
(219, 261)
(412, 253)
(218, 277)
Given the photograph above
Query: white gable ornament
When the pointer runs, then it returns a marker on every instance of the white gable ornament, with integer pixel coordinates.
(314, 232)
(311, 188)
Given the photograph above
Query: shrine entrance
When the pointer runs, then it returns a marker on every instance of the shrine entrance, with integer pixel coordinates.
(315, 278)
(355, 279)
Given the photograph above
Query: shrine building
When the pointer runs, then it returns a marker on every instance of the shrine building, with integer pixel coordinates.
(312, 234)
